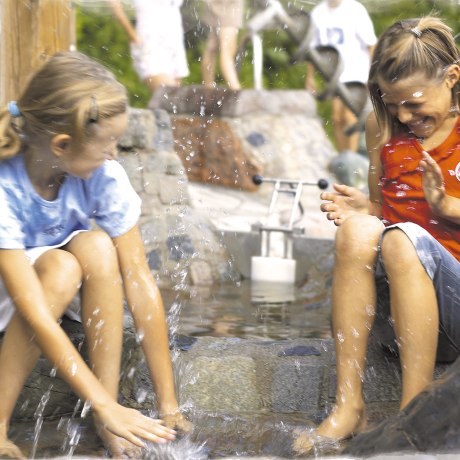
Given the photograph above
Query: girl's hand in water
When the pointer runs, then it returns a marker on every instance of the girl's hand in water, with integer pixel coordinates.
(133, 426)
(343, 203)
(177, 421)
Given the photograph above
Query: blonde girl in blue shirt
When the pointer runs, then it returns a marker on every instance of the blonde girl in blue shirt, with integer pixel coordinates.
(58, 176)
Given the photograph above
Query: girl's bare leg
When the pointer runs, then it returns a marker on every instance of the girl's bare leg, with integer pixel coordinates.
(414, 309)
(60, 275)
(102, 317)
(353, 310)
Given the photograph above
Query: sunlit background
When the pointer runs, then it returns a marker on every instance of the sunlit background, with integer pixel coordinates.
(99, 35)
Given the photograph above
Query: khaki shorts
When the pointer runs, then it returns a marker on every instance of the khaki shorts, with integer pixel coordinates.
(223, 13)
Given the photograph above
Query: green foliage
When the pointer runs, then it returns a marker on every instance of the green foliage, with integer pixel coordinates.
(101, 37)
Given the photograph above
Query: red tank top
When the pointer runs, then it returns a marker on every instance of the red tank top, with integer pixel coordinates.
(403, 199)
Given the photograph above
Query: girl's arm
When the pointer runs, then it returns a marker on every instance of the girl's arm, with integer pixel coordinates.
(146, 306)
(25, 289)
(374, 143)
(120, 14)
(443, 205)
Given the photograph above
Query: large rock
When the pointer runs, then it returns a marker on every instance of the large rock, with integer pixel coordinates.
(224, 137)
(430, 423)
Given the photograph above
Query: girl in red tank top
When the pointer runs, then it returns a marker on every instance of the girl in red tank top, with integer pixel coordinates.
(404, 239)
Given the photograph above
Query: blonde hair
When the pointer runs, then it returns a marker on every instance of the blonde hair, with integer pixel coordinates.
(68, 95)
(422, 46)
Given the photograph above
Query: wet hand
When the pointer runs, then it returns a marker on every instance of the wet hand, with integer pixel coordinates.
(177, 421)
(133, 426)
(343, 203)
(433, 183)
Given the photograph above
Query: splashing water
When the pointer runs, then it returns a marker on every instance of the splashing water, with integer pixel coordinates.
(39, 420)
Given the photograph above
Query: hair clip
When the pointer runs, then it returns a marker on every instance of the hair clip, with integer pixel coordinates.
(93, 110)
(13, 109)
(416, 31)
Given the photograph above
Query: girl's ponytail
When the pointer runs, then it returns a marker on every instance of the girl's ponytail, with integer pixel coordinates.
(10, 142)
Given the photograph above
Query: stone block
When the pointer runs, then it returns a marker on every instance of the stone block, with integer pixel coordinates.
(296, 386)
(201, 273)
(225, 384)
(163, 139)
(132, 164)
(140, 131)
(223, 102)
(180, 247)
(173, 190)
(382, 382)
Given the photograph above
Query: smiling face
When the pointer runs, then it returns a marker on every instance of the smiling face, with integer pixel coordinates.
(81, 159)
(423, 106)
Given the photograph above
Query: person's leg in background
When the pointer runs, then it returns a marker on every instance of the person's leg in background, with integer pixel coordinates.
(228, 39)
(208, 59)
(343, 118)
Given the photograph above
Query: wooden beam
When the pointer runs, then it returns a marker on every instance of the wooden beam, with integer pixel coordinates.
(30, 32)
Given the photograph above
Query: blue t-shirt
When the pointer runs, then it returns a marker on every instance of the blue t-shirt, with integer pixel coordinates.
(28, 221)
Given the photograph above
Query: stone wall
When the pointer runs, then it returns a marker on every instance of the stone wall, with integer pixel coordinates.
(179, 243)
(224, 137)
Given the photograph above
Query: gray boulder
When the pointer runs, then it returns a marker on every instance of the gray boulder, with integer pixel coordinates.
(430, 423)
(350, 168)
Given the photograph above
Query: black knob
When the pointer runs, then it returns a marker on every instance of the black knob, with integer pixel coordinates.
(258, 179)
(323, 183)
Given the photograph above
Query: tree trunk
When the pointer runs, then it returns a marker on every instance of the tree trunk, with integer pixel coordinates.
(30, 32)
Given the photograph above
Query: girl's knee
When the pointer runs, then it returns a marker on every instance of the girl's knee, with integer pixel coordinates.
(96, 252)
(357, 236)
(397, 250)
(60, 273)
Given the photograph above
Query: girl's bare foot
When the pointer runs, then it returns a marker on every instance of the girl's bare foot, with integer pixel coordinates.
(341, 424)
(9, 449)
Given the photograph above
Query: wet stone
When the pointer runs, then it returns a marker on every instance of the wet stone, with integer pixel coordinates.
(200, 273)
(225, 384)
(256, 139)
(154, 259)
(180, 247)
(296, 387)
(382, 382)
(431, 422)
(140, 132)
(163, 138)
(172, 190)
(182, 342)
(222, 102)
(300, 350)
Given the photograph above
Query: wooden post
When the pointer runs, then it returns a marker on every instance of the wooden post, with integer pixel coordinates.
(30, 31)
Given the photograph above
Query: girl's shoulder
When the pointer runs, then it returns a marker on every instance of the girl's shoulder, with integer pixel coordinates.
(110, 171)
(12, 171)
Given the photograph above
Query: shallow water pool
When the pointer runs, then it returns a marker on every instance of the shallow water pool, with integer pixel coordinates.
(236, 310)
(241, 310)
